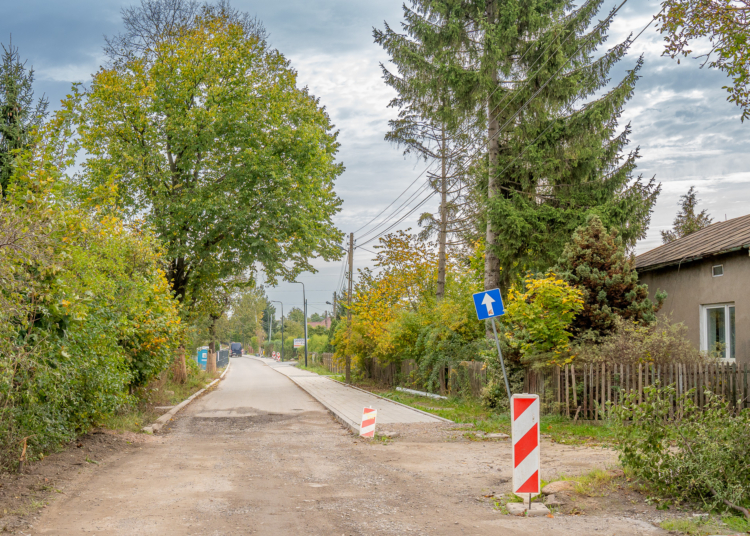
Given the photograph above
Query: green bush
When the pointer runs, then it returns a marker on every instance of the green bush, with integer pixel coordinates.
(661, 342)
(90, 319)
(702, 455)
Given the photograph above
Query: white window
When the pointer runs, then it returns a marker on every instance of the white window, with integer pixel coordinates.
(717, 270)
(717, 329)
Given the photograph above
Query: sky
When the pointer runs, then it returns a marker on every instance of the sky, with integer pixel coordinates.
(688, 134)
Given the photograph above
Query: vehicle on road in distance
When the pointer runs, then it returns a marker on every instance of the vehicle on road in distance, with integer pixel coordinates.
(235, 349)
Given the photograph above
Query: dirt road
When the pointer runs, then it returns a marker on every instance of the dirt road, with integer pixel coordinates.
(259, 456)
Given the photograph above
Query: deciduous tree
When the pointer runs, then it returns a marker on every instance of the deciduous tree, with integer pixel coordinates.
(720, 28)
(208, 138)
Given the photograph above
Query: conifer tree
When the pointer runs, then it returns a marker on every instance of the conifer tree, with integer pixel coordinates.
(687, 221)
(18, 112)
(428, 127)
(521, 66)
(596, 262)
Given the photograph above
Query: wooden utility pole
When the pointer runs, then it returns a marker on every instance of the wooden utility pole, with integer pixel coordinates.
(333, 315)
(443, 219)
(349, 306)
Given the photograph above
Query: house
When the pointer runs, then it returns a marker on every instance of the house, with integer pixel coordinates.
(326, 323)
(707, 279)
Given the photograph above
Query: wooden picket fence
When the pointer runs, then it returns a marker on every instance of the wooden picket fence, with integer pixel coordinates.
(584, 391)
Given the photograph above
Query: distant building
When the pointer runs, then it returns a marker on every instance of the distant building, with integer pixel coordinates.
(707, 279)
(326, 323)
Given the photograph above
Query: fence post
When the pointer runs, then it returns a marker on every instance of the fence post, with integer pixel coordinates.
(640, 383)
(567, 397)
(585, 401)
(573, 385)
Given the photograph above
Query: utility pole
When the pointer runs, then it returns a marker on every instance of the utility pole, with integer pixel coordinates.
(270, 322)
(349, 306)
(333, 315)
(304, 307)
(282, 327)
(305, 331)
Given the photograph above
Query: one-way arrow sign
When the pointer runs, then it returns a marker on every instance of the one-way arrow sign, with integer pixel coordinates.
(489, 304)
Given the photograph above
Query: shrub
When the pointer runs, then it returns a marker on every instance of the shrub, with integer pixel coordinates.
(700, 456)
(596, 262)
(661, 342)
(538, 318)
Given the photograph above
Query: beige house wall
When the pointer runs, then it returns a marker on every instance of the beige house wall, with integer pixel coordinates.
(692, 285)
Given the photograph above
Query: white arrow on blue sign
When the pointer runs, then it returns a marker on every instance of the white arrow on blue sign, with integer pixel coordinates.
(489, 304)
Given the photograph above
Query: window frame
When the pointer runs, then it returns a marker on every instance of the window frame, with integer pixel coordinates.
(727, 327)
(714, 274)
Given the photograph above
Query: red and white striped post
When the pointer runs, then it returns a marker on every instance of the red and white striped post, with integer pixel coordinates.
(525, 434)
(367, 428)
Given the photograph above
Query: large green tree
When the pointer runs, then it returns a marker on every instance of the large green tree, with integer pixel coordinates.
(521, 66)
(429, 127)
(19, 113)
(206, 136)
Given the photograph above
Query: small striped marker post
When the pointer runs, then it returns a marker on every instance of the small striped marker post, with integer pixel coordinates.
(367, 429)
(524, 411)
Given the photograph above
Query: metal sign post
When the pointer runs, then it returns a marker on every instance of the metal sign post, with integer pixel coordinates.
(489, 304)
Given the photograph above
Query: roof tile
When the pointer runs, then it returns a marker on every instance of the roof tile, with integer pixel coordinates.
(716, 238)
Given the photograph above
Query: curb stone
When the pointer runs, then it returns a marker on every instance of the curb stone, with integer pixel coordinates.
(353, 426)
(164, 419)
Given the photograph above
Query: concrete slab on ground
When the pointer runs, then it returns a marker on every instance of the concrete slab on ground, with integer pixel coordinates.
(347, 403)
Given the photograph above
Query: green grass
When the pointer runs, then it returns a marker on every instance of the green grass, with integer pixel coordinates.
(320, 369)
(465, 410)
(707, 525)
(162, 392)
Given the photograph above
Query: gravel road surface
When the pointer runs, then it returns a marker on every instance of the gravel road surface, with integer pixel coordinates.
(257, 455)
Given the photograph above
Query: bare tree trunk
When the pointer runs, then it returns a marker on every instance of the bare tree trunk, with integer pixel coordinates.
(443, 221)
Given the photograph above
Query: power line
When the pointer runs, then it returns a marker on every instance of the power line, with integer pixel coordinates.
(629, 44)
(486, 102)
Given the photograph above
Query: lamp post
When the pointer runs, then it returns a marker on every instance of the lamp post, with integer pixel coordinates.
(304, 307)
(282, 327)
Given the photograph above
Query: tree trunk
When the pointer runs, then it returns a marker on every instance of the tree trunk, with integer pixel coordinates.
(179, 367)
(443, 221)
(491, 261)
(211, 359)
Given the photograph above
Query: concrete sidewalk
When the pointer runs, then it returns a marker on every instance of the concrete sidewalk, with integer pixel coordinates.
(347, 403)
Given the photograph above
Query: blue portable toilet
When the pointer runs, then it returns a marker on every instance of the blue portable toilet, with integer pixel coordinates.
(202, 357)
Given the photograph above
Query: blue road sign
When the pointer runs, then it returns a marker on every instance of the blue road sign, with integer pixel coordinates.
(489, 304)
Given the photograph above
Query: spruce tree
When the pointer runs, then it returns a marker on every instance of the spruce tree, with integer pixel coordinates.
(18, 113)
(521, 66)
(596, 262)
(428, 127)
(687, 221)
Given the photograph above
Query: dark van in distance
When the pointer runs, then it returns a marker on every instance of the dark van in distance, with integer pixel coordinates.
(236, 349)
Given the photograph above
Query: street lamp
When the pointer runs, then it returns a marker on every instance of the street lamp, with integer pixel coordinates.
(304, 301)
(282, 327)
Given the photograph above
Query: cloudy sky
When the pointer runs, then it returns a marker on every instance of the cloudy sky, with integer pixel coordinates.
(687, 132)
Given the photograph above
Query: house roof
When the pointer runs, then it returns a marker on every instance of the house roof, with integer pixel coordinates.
(717, 238)
(326, 323)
